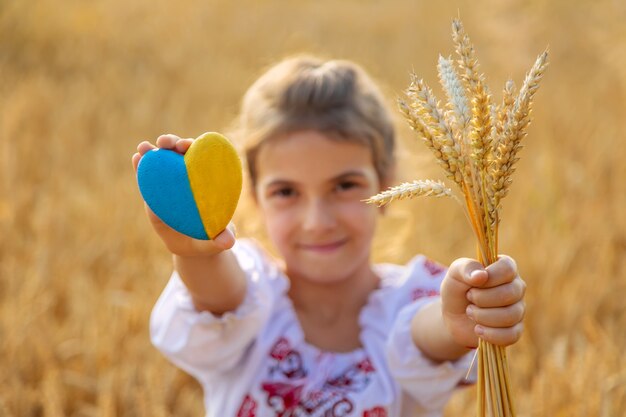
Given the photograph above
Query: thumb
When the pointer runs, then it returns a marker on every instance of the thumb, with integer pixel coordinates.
(463, 274)
(226, 238)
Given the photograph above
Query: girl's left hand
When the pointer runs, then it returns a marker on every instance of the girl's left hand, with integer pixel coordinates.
(483, 302)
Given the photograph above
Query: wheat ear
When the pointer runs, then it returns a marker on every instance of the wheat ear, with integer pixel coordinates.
(516, 123)
(456, 95)
(409, 190)
(467, 59)
(425, 108)
(428, 135)
(505, 109)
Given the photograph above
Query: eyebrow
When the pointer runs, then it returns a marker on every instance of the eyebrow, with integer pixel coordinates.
(343, 175)
(353, 173)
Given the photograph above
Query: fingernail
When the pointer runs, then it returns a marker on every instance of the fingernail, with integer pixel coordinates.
(472, 276)
(475, 273)
(469, 296)
(470, 311)
(480, 330)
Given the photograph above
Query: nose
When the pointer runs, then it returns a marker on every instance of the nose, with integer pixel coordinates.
(319, 215)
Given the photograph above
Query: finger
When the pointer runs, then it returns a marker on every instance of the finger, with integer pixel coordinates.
(500, 296)
(144, 147)
(462, 275)
(135, 160)
(500, 336)
(152, 215)
(183, 145)
(500, 317)
(468, 272)
(225, 240)
(500, 272)
(167, 141)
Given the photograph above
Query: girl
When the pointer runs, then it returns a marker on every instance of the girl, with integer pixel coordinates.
(322, 331)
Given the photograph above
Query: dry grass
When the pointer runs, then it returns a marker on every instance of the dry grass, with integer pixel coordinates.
(82, 82)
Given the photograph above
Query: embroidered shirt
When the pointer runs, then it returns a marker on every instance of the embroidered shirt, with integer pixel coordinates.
(255, 362)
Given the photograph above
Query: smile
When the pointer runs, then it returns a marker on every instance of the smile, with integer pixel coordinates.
(323, 247)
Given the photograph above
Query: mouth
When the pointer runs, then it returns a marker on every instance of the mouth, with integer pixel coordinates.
(323, 247)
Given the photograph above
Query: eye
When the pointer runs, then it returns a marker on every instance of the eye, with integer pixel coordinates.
(283, 192)
(346, 185)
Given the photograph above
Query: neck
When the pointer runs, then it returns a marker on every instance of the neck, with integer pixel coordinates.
(328, 302)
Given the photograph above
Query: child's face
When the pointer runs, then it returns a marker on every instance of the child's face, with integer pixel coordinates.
(310, 190)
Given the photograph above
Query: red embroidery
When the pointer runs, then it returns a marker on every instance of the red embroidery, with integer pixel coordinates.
(248, 407)
(366, 366)
(433, 268)
(281, 349)
(354, 379)
(423, 292)
(341, 408)
(289, 394)
(285, 393)
(287, 400)
(375, 412)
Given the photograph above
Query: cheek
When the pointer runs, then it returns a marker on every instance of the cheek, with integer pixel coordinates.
(278, 225)
(361, 217)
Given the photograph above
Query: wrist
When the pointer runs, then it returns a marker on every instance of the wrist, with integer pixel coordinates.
(460, 330)
(433, 336)
(186, 260)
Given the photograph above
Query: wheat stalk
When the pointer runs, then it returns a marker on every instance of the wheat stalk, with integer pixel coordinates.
(476, 142)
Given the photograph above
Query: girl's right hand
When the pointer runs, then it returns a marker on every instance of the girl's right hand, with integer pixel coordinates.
(178, 243)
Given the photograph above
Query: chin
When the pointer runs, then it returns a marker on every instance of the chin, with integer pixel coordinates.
(327, 274)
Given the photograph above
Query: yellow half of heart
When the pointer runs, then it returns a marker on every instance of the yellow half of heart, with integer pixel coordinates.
(214, 170)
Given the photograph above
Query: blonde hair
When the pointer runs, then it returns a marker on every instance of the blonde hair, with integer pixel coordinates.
(334, 97)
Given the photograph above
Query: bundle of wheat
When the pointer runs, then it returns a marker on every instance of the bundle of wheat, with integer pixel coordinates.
(476, 142)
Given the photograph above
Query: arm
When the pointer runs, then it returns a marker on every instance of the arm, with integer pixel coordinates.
(216, 282)
(208, 268)
(475, 301)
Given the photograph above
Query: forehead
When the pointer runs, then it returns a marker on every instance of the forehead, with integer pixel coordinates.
(311, 155)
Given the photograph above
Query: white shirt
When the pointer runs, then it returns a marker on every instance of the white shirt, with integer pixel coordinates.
(255, 362)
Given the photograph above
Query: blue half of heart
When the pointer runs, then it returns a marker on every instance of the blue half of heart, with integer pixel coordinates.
(164, 185)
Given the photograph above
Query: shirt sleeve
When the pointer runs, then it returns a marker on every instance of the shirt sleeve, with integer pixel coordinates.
(428, 382)
(202, 343)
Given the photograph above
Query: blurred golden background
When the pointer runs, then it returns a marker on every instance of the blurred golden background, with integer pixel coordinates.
(82, 82)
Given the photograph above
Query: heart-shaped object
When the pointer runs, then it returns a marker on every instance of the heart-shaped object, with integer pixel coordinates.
(195, 194)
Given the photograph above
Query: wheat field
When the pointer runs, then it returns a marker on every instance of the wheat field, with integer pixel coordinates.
(82, 82)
